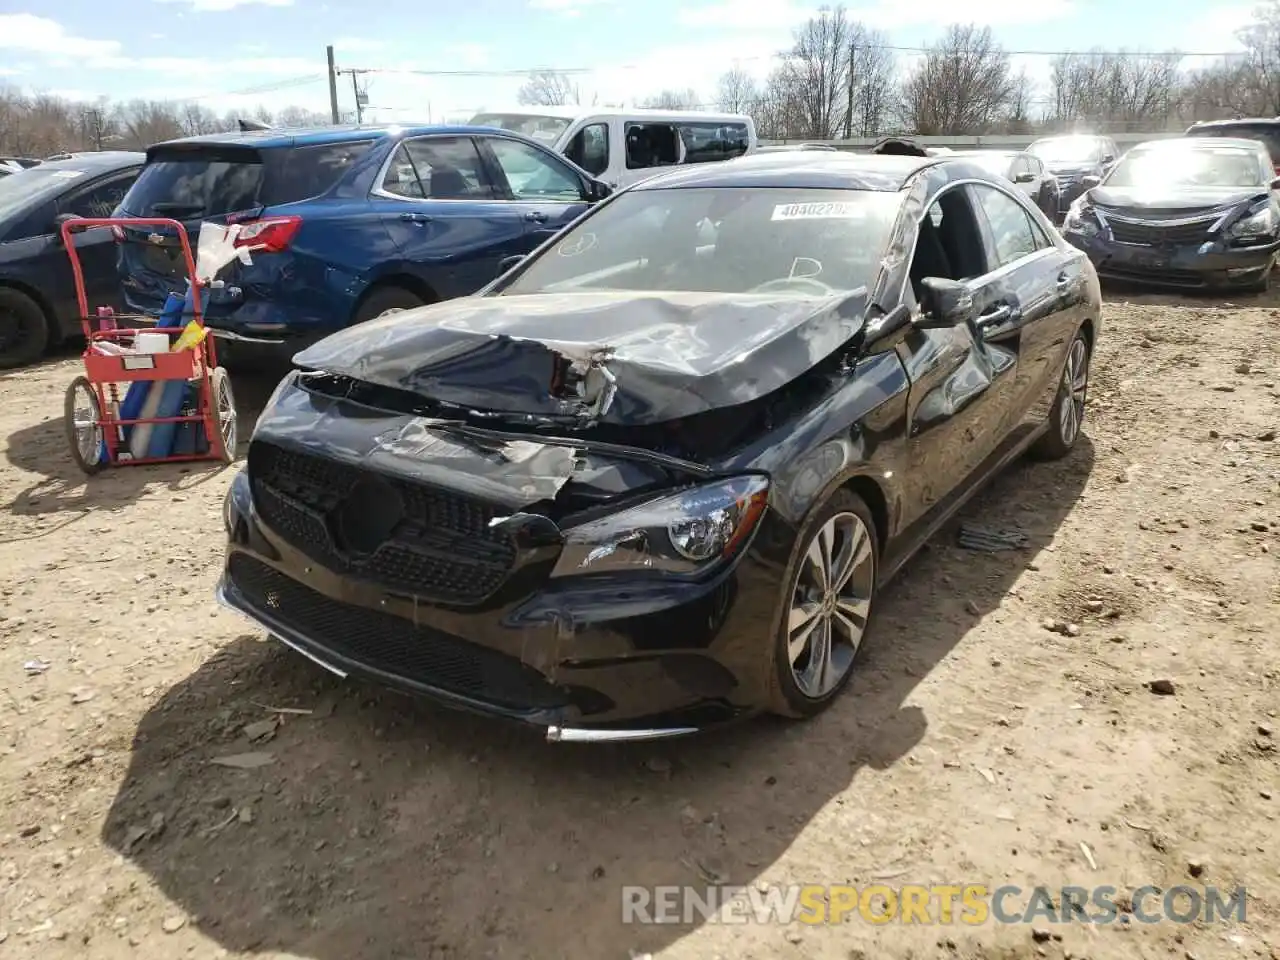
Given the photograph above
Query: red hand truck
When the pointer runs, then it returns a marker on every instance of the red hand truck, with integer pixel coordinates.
(94, 428)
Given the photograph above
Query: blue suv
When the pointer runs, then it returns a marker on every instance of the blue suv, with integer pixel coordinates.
(353, 222)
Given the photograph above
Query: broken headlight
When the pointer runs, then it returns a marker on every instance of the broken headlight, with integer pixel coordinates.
(1080, 220)
(678, 534)
(1259, 224)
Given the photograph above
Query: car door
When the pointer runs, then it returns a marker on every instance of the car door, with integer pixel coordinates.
(1030, 306)
(548, 193)
(446, 217)
(95, 248)
(959, 385)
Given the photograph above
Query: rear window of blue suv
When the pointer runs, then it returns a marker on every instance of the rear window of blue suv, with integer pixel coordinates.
(210, 180)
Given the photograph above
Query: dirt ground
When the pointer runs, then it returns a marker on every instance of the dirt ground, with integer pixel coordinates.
(1005, 726)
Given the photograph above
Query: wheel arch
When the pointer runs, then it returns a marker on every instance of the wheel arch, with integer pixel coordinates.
(873, 495)
(404, 281)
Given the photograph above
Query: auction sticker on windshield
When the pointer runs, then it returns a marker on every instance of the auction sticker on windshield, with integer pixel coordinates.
(817, 211)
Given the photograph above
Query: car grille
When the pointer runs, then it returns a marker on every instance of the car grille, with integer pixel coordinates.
(391, 644)
(1153, 233)
(430, 543)
(1179, 278)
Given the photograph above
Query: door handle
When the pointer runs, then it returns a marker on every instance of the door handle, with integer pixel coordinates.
(1064, 280)
(537, 216)
(995, 316)
(416, 217)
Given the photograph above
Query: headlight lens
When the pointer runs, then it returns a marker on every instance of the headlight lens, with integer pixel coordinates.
(1078, 221)
(1261, 223)
(679, 534)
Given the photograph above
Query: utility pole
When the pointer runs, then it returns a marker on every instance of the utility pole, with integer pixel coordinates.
(333, 85)
(362, 96)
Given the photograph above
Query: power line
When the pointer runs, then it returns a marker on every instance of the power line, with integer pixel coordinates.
(895, 48)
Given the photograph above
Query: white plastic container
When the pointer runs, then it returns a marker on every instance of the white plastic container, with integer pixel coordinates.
(151, 342)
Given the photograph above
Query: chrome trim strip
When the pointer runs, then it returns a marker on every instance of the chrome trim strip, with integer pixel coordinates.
(223, 598)
(228, 335)
(557, 734)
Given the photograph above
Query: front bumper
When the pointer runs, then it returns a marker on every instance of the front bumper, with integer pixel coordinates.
(1191, 267)
(618, 660)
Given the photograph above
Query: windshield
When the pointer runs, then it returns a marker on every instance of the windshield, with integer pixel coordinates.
(1188, 167)
(723, 240)
(1067, 150)
(28, 187)
(545, 129)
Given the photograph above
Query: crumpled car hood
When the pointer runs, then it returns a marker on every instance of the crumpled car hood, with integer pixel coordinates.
(624, 358)
(1138, 199)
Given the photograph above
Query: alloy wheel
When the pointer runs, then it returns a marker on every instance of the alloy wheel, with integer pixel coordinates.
(1075, 386)
(830, 604)
(85, 424)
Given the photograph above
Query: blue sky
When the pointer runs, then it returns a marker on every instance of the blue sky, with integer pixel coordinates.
(213, 51)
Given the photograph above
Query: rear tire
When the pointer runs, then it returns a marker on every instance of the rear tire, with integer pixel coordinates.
(24, 330)
(839, 538)
(224, 413)
(1066, 416)
(384, 300)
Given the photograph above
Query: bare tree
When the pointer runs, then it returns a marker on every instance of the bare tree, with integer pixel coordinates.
(736, 92)
(1261, 40)
(819, 65)
(871, 82)
(547, 88)
(686, 99)
(300, 117)
(779, 114)
(1123, 90)
(962, 85)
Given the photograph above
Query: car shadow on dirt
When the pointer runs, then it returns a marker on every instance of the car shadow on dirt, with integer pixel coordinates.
(1116, 292)
(379, 826)
(44, 449)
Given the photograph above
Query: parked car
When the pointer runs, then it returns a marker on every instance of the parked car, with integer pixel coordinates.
(1266, 130)
(1071, 159)
(24, 162)
(1024, 170)
(7, 168)
(356, 221)
(622, 147)
(1195, 212)
(638, 485)
(37, 296)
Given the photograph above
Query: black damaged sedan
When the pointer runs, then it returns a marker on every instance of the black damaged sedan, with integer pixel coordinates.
(1200, 212)
(653, 477)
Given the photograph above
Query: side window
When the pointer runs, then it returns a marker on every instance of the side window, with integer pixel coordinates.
(651, 145)
(1011, 226)
(98, 201)
(300, 173)
(532, 174)
(948, 242)
(709, 142)
(437, 168)
(589, 148)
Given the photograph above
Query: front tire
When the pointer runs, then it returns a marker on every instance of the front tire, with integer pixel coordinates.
(1066, 416)
(826, 608)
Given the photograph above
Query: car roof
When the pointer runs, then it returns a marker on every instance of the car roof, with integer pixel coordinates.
(986, 153)
(1199, 143)
(314, 136)
(101, 162)
(802, 169)
(1240, 121)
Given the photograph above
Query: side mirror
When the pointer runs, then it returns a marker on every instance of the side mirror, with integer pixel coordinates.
(1108, 158)
(596, 190)
(944, 303)
(1090, 181)
(1275, 184)
(58, 221)
(509, 263)
(1024, 177)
